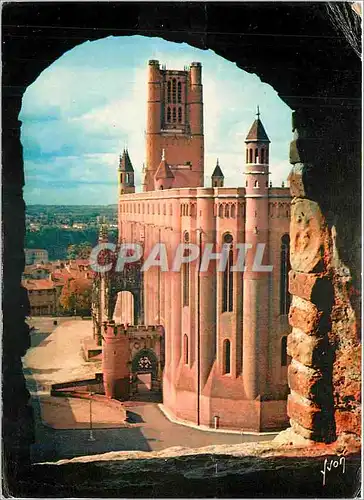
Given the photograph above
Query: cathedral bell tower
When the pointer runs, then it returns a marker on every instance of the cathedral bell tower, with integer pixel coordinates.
(175, 124)
(256, 281)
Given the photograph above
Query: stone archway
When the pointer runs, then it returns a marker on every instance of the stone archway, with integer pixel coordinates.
(129, 280)
(124, 308)
(314, 71)
(145, 362)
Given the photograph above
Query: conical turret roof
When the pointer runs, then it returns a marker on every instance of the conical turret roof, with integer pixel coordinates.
(163, 171)
(257, 132)
(125, 163)
(217, 172)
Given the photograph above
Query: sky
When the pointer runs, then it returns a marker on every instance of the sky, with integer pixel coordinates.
(81, 112)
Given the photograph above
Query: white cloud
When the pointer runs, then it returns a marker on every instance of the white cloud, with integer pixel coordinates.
(81, 112)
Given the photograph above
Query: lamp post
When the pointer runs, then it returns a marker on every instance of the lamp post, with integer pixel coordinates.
(91, 436)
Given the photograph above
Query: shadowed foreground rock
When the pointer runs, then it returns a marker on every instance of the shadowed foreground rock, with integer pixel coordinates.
(204, 475)
(264, 470)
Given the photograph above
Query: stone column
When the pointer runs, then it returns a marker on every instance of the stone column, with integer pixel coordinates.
(322, 315)
(207, 290)
(175, 334)
(169, 303)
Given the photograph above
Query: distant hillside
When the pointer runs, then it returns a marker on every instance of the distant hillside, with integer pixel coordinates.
(56, 240)
(77, 213)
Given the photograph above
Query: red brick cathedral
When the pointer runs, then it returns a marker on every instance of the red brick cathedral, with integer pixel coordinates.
(213, 336)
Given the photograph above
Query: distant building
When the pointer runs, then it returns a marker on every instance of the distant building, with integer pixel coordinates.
(44, 283)
(36, 272)
(42, 296)
(36, 256)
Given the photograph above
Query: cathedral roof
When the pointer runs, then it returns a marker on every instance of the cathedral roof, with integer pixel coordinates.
(217, 172)
(125, 163)
(257, 132)
(163, 171)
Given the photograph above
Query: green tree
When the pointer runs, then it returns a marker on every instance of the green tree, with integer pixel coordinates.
(79, 251)
(76, 296)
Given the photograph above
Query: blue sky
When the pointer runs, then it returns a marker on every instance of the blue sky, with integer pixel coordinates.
(84, 108)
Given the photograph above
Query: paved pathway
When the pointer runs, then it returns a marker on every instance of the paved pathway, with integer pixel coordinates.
(55, 356)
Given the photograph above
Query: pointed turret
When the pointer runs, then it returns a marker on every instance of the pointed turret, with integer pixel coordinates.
(126, 174)
(257, 143)
(125, 163)
(256, 284)
(217, 177)
(163, 178)
(257, 132)
(144, 178)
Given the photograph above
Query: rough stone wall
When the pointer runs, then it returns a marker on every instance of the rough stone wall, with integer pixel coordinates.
(325, 373)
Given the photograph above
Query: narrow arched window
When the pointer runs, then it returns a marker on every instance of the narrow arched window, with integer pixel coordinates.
(185, 349)
(226, 356)
(179, 114)
(174, 115)
(262, 156)
(228, 277)
(169, 114)
(285, 298)
(169, 90)
(179, 86)
(221, 211)
(186, 277)
(231, 282)
(284, 351)
(227, 211)
(256, 184)
(174, 90)
(250, 156)
(246, 184)
(256, 155)
(233, 211)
